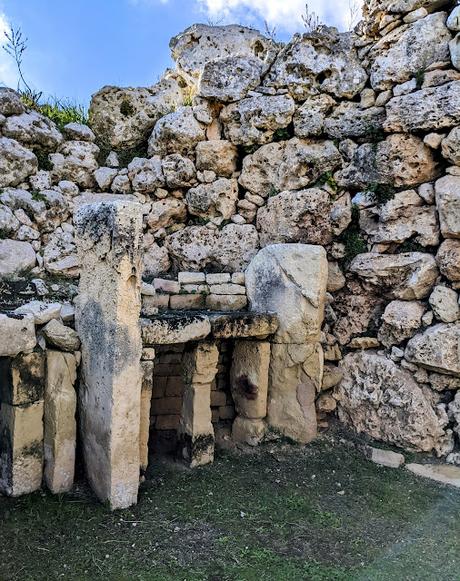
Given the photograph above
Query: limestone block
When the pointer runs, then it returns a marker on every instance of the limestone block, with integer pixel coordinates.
(290, 280)
(60, 423)
(450, 146)
(247, 431)
(41, 311)
(309, 117)
(230, 78)
(76, 161)
(21, 448)
(294, 378)
(176, 132)
(200, 364)
(33, 130)
(437, 348)
(60, 336)
(179, 171)
(249, 378)
(146, 174)
(215, 200)
(10, 102)
(146, 399)
(166, 213)
(16, 257)
(16, 162)
(447, 191)
(107, 322)
(17, 335)
(22, 378)
(444, 302)
(218, 302)
(448, 259)
(164, 330)
(401, 320)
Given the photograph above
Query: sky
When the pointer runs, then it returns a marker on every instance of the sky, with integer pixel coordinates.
(77, 46)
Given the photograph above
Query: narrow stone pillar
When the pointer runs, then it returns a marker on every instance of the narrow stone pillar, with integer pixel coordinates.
(249, 385)
(107, 321)
(21, 423)
(290, 281)
(60, 423)
(146, 400)
(196, 433)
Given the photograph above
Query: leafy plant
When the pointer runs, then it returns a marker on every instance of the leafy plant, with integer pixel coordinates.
(419, 78)
(282, 134)
(381, 193)
(272, 191)
(327, 178)
(352, 239)
(43, 159)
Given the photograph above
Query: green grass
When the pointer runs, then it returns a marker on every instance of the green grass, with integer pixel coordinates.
(60, 111)
(273, 514)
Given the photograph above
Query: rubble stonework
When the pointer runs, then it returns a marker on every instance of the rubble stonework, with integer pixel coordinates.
(301, 199)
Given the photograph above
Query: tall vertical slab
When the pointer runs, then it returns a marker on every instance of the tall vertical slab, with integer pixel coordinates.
(290, 280)
(107, 321)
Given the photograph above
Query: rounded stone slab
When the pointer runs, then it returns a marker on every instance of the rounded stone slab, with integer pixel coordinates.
(168, 329)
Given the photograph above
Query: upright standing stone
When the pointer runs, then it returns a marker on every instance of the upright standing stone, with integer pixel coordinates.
(60, 424)
(146, 400)
(290, 280)
(196, 433)
(107, 321)
(21, 423)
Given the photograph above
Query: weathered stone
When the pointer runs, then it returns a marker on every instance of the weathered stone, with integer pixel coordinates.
(428, 109)
(59, 254)
(290, 280)
(444, 302)
(450, 146)
(381, 400)
(107, 321)
(448, 204)
(155, 258)
(332, 376)
(295, 377)
(21, 448)
(453, 22)
(18, 335)
(454, 49)
(448, 259)
(10, 102)
(60, 336)
(200, 44)
(299, 216)
(437, 472)
(400, 160)
(176, 132)
(249, 378)
(227, 250)
(350, 120)
(386, 458)
(16, 162)
(420, 45)
(230, 78)
(15, 258)
(104, 177)
(309, 117)
(196, 433)
(226, 302)
(172, 329)
(437, 348)
(179, 171)
(401, 320)
(41, 312)
(60, 424)
(242, 325)
(33, 130)
(215, 200)
(218, 156)
(323, 61)
(256, 119)
(124, 117)
(165, 213)
(288, 165)
(22, 378)
(76, 161)
(146, 174)
(146, 398)
(9, 224)
(247, 431)
(78, 132)
(405, 276)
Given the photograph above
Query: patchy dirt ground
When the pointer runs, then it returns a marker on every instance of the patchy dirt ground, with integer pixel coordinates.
(321, 512)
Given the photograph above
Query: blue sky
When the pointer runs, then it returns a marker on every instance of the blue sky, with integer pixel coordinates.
(77, 46)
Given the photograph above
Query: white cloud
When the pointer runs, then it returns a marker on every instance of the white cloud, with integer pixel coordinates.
(7, 70)
(286, 15)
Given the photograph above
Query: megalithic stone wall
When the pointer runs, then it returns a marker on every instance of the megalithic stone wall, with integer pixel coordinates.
(107, 320)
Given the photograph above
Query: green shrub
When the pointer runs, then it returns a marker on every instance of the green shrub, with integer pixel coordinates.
(58, 110)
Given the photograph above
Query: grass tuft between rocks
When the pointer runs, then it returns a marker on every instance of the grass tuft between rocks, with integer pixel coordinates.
(282, 512)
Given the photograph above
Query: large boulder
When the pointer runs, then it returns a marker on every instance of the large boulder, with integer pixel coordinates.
(383, 401)
(448, 260)
(10, 102)
(215, 200)
(323, 61)
(400, 321)
(400, 160)
(176, 132)
(256, 119)
(60, 253)
(217, 155)
(33, 130)
(450, 145)
(351, 120)
(400, 56)
(229, 79)
(165, 213)
(428, 109)
(310, 116)
(179, 171)
(290, 280)
(146, 174)
(124, 117)
(300, 216)
(16, 257)
(200, 44)
(16, 162)
(288, 165)
(18, 335)
(407, 276)
(437, 348)
(197, 248)
(448, 204)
